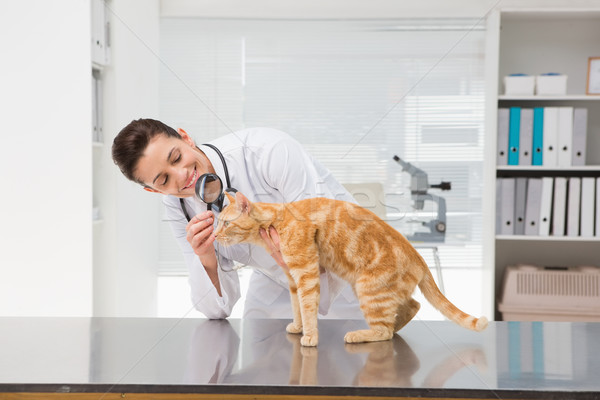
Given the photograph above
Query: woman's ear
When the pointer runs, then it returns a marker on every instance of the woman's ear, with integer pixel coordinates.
(186, 138)
(147, 189)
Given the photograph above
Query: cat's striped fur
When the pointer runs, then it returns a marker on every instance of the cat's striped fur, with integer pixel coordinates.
(353, 243)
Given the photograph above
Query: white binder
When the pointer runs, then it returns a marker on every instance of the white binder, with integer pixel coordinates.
(532, 211)
(100, 108)
(520, 202)
(559, 208)
(526, 136)
(597, 206)
(502, 150)
(573, 206)
(579, 135)
(550, 136)
(565, 136)
(94, 109)
(507, 202)
(588, 200)
(546, 206)
(498, 206)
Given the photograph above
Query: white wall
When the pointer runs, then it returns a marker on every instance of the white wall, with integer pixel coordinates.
(53, 261)
(45, 159)
(126, 242)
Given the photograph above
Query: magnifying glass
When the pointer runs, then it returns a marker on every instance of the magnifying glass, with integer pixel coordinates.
(209, 189)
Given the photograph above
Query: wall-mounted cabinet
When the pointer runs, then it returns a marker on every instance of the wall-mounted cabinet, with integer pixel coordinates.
(100, 35)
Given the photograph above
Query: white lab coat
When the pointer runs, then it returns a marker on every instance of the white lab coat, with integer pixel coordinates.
(266, 165)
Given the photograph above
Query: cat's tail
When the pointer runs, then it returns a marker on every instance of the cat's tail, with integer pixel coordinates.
(442, 304)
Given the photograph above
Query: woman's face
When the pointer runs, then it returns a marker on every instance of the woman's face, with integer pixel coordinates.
(172, 166)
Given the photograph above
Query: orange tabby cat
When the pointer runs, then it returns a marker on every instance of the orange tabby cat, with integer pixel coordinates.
(353, 243)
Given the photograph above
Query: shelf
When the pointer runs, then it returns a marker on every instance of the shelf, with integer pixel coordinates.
(569, 97)
(583, 168)
(548, 238)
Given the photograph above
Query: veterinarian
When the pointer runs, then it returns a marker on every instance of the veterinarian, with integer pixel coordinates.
(264, 164)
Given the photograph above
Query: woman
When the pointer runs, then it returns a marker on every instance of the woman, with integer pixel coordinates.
(267, 166)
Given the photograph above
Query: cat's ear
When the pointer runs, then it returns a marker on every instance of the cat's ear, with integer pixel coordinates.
(230, 197)
(243, 203)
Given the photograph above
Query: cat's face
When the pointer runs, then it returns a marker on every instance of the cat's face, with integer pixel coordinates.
(234, 224)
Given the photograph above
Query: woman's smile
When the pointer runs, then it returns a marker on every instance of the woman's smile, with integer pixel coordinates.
(192, 180)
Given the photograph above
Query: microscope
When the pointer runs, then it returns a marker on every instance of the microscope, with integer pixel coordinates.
(418, 190)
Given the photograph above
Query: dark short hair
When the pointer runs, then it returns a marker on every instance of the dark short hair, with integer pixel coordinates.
(129, 145)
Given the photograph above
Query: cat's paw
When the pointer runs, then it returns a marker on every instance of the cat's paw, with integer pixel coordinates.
(293, 328)
(353, 337)
(310, 340)
(367, 335)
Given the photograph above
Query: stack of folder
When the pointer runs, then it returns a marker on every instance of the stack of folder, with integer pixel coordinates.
(557, 206)
(544, 136)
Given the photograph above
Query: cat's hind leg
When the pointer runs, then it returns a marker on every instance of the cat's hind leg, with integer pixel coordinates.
(379, 307)
(406, 312)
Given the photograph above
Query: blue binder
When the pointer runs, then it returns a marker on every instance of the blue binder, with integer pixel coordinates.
(513, 136)
(538, 136)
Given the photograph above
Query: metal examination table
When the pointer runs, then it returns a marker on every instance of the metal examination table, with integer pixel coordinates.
(135, 358)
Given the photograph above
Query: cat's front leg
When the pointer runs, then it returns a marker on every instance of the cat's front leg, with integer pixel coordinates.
(296, 325)
(307, 282)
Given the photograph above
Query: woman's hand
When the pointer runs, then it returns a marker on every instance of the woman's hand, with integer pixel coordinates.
(271, 238)
(199, 234)
(200, 237)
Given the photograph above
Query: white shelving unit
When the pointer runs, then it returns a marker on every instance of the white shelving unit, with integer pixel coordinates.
(534, 42)
(100, 58)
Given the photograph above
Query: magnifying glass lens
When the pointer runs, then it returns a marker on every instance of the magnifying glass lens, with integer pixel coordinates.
(208, 188)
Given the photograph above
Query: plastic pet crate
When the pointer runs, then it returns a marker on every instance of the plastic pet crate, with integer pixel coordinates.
(534, 293)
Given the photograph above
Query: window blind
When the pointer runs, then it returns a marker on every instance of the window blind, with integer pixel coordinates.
(354, 93)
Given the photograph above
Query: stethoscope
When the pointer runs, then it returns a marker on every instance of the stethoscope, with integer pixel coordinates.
(209, 187)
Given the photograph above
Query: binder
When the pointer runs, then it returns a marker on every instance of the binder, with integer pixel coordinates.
(537, 151)
(559, 208)
(550, 136)
(526, 136)
(546, 206)
(507, 204)
(513, 135)
(532, 209)
(597, 206)
(588, 200)
(520, 202)
(573, 206)
(100, 108)
(94, 109)
(579, 135)
(565, 136)
(503, 123)
(498, 205)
